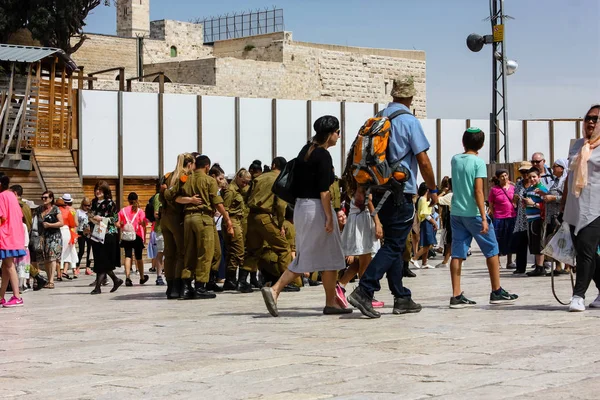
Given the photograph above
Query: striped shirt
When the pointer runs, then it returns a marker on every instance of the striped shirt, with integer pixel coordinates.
(532, 211)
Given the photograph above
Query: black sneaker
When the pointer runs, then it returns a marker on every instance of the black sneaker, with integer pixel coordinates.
(518, 272)
(405, 305)
(128, 282)
(461, 301)
(501, 296)
(144, 279)
(360, 300)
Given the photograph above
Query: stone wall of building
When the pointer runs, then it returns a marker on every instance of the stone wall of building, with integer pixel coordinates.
(100, 52)
(198, 72)
(186, 38)
(268, 47)
(133, 18)
(308, 72)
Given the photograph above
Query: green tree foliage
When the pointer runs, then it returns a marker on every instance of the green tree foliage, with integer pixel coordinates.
(54, 23)
(13, 16)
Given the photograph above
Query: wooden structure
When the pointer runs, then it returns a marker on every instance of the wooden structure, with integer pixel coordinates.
(35, 99)
(36, 120)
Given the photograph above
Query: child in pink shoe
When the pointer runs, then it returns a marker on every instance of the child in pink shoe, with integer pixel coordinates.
(11, 242)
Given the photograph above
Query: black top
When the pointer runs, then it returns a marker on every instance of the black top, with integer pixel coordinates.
(313, 176)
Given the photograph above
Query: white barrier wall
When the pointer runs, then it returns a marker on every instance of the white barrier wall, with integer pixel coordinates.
(180, 127)
(255, 132)
(319, 109)
(99, 116)
(430, 129)
(564, 132)
(140, 134)
(291, 127)
(453, 130)
(538, 139)
(218, 131)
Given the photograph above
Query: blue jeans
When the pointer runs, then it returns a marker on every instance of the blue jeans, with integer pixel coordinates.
(397, 222)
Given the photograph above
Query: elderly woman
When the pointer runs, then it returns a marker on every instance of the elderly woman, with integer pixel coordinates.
(318, 239)
(582, 207)
(504, 212)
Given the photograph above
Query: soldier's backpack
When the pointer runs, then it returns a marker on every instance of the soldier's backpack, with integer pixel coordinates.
(369, 165)
(149, 211)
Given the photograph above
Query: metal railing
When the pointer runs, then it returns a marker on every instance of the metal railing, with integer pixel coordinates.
(238, 25)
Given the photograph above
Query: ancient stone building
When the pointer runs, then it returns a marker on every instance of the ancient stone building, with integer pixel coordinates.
(270, 65)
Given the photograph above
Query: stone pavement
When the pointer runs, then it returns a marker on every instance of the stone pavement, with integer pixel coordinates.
(134, 344)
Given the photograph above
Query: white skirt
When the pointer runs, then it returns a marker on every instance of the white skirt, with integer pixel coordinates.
(316, 250)
(69, 253)
(358, 236)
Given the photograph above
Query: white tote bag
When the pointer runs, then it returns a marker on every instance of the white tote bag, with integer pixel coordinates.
(99, 231)
(561, 247)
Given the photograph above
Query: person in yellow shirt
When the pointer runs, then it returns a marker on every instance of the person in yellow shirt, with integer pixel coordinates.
(428, 227)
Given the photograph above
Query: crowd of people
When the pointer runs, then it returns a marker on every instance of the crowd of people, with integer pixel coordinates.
(209, 234)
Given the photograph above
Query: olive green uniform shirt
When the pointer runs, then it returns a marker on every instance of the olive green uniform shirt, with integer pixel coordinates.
(204, 186)
(263, 201)
(27, 216)
(233, 201)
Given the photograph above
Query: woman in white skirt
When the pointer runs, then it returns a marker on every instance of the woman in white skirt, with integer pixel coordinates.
(318, 240)
(360, 239)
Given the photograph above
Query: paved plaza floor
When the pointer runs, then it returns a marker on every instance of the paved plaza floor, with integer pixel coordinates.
(134, 344)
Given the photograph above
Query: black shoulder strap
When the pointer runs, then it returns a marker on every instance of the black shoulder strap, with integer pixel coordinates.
(397, 114)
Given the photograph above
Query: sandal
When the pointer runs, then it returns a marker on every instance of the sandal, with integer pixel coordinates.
(59, 279)
(49, 285)
(66, 276)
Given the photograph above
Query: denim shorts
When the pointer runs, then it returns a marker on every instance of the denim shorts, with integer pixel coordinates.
(465, 229)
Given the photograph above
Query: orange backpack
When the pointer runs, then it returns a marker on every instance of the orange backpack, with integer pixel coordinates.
(370, 167)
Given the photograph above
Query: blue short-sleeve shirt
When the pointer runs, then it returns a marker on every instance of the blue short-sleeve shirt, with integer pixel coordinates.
(407, 140)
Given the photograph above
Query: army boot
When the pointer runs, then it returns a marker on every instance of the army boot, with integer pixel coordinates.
(187, 291)
(243, 285)
(202, 292)
(230, 283)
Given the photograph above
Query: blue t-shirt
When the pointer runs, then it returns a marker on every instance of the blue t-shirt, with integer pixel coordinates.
(407, 140)
(465, 169)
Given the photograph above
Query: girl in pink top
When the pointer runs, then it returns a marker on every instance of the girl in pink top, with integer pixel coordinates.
(504, 212)
(132, 219)
(12, 242)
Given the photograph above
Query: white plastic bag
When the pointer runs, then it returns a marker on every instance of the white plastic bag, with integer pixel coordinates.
(561, 247)
(100, 231)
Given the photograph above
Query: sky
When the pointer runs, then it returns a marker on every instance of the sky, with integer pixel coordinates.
(555, 42)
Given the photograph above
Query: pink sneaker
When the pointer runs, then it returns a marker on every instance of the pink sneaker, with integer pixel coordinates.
(377, 304)
(13, 302)
(340, 296)
(2, 302)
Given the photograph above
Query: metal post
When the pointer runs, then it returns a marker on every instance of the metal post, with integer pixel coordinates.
(498, 73)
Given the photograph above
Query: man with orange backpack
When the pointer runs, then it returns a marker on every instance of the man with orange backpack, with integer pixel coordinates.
(394, 149)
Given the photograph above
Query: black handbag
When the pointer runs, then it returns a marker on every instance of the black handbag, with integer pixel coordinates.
(283, 187)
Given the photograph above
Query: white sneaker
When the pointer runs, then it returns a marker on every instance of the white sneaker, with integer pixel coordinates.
(415, 264)
(427, 266)
(441, 265)
(577, 304)
(595, 303)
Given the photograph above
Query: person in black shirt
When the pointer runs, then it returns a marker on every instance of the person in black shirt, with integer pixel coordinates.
(318, 240)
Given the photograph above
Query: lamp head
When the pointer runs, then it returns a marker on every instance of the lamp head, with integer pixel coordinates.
(475, 42)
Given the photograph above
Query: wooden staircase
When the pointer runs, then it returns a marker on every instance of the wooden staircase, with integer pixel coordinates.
(57, 170)
(29, 180)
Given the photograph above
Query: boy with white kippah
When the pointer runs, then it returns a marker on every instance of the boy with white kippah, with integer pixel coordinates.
(469, 220)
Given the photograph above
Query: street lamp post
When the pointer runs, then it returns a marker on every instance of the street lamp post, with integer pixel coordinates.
(501, 67)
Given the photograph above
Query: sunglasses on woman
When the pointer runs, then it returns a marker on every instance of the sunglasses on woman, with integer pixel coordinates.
(591, 118)
(45, 197)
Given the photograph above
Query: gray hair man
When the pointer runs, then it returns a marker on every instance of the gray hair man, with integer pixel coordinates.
(538, 160)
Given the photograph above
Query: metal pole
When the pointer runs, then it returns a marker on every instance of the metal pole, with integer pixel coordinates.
(494, 113)
(504, 92)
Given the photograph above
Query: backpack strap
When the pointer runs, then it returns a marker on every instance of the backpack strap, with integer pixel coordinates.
(397, 114)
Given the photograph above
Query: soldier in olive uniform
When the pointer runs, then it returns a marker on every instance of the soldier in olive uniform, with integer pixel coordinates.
(171, 223)
(265, 223)
(233, 201)
(199, 228)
